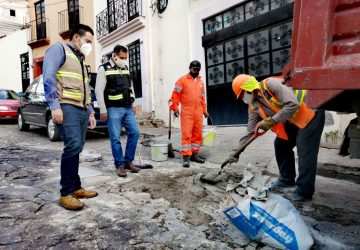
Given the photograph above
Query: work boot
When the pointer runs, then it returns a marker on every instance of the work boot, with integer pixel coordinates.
(71, 202)
(295, 196)
(121, 172)
(280, 184)
(83, 193)
(197, 158)
(186, 161)
(132, 167)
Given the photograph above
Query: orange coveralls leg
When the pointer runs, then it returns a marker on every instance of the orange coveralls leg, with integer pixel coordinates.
(191, 130)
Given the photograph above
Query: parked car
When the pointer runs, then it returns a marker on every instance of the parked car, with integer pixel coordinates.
(34, 110)
(9, 103)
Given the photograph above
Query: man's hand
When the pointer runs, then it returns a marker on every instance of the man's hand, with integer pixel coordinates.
(206, 114)
(92, 121)
(134, 109)
(103, 117)
(176, 113)
(267, 124)
(57, 116)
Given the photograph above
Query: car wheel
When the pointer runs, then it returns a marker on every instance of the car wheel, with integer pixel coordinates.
(21, 123)
(53, 130)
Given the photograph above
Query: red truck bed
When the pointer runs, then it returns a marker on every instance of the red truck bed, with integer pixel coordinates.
(325, 54)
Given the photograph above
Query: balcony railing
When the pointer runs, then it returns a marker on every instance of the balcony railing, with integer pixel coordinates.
(118, 13)
(69, 19)
(38, 30)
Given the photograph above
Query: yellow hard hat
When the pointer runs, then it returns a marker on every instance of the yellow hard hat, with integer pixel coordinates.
(244, 82)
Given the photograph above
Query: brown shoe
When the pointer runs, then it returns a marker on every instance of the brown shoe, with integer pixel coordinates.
(71, 202)
(132, 167)
(121, 172)
(83, 193)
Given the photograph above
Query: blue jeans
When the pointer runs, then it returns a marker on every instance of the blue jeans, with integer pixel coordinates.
(73, 131)
(117, 117)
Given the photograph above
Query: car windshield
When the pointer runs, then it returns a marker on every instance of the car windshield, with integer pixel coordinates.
(8, 95)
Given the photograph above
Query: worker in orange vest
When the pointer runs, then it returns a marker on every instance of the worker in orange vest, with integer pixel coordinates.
(190, 92)
(283, 110)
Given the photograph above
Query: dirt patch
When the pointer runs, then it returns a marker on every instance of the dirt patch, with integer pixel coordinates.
(325, 213)
(179, 190)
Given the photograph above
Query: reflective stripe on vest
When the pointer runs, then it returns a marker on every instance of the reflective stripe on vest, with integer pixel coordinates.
(71, 94)
(115, 97)
(117, 72)
(69, 74)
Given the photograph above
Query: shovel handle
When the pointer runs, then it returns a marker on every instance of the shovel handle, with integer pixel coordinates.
(169, 123)
(233, 157)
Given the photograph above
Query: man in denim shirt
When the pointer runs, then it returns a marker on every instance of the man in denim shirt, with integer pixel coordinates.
(68, 95)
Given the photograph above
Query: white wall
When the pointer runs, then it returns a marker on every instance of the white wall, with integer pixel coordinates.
(11, 47)
(170, 52)
(100, 50)
(99, 5)
(20, 13)
(335, 126)
(177, 40)
(13, 22)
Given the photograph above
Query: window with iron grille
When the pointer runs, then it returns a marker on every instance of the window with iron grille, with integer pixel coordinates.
(261, 53)
(25, 72)
(73, 12)
(240, 13)
(135, 67)
(40, 20)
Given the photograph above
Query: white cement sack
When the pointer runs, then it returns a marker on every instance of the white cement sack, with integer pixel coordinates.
(274, 222)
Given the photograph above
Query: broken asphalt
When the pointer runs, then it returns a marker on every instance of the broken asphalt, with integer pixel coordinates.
(166, 207)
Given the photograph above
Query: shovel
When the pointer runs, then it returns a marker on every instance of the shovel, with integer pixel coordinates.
(213, 178)
(171, 153)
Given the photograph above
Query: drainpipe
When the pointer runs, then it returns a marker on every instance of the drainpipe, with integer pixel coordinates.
(151, 70)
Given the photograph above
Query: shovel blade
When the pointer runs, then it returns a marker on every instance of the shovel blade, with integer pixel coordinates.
(211, 178)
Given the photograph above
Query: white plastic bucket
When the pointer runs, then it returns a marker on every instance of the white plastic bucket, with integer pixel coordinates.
(159, 151)
(208, 135)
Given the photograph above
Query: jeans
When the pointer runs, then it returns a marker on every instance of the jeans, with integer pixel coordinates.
(73, 131)
(117, 117)
(307, 141)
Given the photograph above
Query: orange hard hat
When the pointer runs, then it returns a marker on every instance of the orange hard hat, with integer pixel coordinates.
(244, 82)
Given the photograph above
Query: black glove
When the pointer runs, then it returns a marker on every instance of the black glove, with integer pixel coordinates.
(176, 113)
(206, 114)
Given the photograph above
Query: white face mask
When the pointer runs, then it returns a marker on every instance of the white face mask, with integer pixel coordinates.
(248, 98)
(85, 48)
(119, 62)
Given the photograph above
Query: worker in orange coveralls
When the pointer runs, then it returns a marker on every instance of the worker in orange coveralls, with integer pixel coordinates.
(190, 92)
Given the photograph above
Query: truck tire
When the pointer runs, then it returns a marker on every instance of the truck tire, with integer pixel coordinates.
(21, 122)
(53, 130)
(354, 148)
